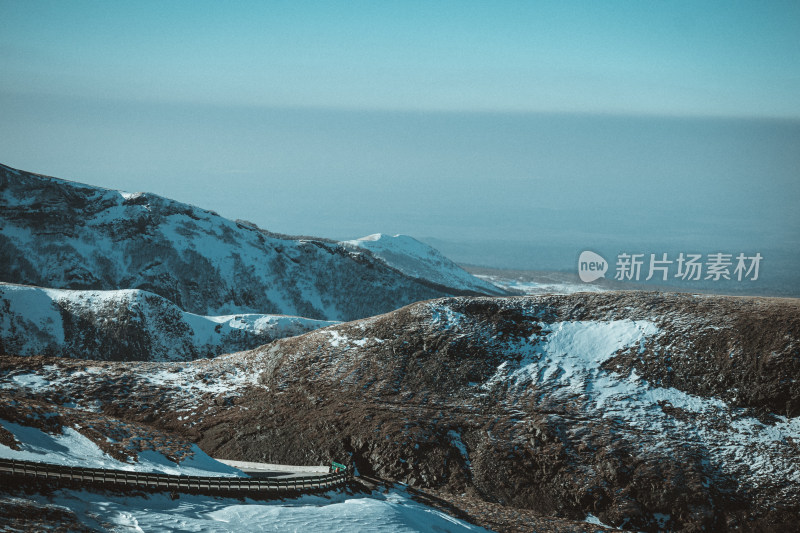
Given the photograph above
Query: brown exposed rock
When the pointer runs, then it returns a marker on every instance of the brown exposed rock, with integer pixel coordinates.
(410, 397)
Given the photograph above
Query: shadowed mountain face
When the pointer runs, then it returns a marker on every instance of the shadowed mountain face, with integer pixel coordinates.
(66, 235)
(650, 411)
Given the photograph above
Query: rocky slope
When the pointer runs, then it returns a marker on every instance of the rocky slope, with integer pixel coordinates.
(61, 234)
(128, 325)
(647, 410)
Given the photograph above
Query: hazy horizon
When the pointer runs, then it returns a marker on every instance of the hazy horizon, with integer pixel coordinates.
(557, 128)
(511, 176)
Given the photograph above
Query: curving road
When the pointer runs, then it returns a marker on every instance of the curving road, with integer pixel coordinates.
(229, 486)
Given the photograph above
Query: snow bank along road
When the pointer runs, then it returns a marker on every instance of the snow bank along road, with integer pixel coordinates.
(230, 486)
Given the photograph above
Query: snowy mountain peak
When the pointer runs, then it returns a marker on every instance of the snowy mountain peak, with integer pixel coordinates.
(373, 237)
(419, 260)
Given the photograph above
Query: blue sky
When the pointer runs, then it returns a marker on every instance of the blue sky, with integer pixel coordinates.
(640, 124)
(661, 57)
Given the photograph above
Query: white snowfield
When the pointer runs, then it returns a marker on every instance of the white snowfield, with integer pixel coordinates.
(335, 512)
(71, 448)
(570, 354)
(33, 322)
(418, 260)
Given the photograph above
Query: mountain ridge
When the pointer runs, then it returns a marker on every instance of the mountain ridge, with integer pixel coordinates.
(63, 234)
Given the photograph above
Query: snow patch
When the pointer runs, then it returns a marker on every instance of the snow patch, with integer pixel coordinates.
(444, 316)
(71, 448)
(569, 354)
(564, 362)
(27, 381)
(458, 444)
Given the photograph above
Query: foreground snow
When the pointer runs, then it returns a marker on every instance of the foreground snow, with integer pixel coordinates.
(392, 512)
(377, 512)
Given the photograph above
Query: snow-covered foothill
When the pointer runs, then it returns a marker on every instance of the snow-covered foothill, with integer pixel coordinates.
(128, 324)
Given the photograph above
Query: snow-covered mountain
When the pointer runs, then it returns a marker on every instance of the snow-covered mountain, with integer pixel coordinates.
(647, 411)
(128, 324)
(60, 234)
(421, 261)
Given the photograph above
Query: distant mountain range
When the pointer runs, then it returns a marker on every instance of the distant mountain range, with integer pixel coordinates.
(64, 235)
